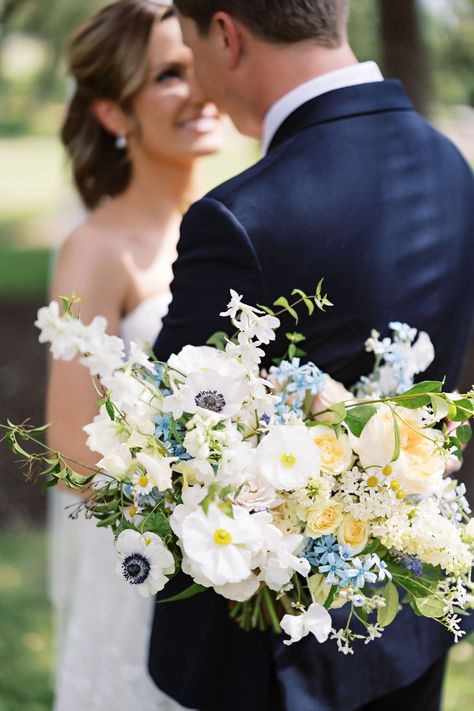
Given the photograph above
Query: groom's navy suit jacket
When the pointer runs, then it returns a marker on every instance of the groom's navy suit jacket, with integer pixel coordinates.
(356, 188)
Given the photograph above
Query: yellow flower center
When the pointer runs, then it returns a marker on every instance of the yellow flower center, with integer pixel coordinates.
(222, 537)
(288, 460)
(133, 511)
(400, 494)
(143, 481)
(372, 481)
(386, 471)
(395, 485)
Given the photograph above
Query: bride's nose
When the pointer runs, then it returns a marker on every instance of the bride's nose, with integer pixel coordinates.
(196, 93)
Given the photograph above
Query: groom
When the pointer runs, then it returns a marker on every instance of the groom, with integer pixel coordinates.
(355, 187)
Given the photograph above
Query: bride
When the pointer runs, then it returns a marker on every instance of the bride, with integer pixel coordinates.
(135, 127)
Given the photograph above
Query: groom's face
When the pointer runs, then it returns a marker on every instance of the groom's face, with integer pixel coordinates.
(218, 82)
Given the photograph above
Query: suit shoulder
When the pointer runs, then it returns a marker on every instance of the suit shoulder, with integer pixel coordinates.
(244, 182)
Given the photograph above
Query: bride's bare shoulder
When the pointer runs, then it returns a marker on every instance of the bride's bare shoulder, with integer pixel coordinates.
(91, 260)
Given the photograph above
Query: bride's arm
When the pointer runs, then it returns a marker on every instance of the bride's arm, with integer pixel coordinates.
(90, 266)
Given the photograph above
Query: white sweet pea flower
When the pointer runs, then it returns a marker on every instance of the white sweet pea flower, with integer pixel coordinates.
(207, 393)
(191, 497)
(288, 457)
(143, 561)
(118, 463)
(105, 354)
(157, 469)
(237, 464)
(276, 559)
(219, 545)
(196, 471)
(63, 332)
(316, 620)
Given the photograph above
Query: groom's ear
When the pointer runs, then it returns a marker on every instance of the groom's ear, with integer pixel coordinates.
(230, 37)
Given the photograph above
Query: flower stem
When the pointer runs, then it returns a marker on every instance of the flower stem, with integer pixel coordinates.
(270, 605)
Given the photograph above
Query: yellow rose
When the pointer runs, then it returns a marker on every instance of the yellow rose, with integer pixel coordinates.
(420, 466)
(320, 522)
(336, 452)
(353, 533)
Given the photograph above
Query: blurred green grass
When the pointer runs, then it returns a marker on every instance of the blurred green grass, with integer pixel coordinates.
(26, 639)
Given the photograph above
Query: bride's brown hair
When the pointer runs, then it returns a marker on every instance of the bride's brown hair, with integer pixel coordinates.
(107, 58)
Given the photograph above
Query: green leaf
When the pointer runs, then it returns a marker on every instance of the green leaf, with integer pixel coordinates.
(423, 390)
(464, 433)
(387, 614)
(193, 590)
(110, 410)
(291, 351)
(464, 409)
(340, 411)
(330, 597)
(283, 301)
(266, 309)
(295, 337)
(396, 432)
(306, 300)
(109, 520)
(430, 607)
(357, 418)
(440, 407)
(218, 340)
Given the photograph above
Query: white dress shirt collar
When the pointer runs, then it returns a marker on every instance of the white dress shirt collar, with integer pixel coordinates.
(362, 73)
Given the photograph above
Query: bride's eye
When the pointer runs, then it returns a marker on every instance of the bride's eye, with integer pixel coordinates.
(169, 75)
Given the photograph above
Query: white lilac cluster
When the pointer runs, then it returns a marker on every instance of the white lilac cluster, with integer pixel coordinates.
(286, 494)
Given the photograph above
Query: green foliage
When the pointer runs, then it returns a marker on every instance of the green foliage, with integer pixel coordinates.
(387, 614)
(357, 418)
(192, 591)
(218, 340)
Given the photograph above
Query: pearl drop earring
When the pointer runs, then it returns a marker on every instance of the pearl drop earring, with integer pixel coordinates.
(121, 141)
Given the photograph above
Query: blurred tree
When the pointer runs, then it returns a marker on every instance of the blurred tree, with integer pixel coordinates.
(405, 54)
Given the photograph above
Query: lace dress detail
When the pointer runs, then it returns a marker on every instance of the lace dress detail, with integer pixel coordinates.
(102, 626)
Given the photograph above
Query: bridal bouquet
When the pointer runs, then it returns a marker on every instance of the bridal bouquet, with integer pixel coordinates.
(284, 492)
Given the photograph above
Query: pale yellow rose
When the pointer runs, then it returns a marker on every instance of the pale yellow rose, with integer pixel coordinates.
(353, 533)
(322, 521)
(336, 452)
(420, 467)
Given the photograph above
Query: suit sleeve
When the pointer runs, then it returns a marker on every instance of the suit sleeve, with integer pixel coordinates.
(214, 256)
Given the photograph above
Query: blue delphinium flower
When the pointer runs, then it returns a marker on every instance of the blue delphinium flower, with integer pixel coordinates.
(297, 379)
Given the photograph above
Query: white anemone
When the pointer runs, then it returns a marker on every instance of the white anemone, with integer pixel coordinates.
(207, 393)
(143, 561)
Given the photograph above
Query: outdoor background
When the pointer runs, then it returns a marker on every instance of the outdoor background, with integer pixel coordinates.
(429, 44)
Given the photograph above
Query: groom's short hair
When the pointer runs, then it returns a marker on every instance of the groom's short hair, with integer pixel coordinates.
(279, 21)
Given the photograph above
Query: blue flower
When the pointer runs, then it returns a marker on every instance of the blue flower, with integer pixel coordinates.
(163, 426)
(383, 568)
(336, 568)
(360, 573)
(414, 565)
(318, 549)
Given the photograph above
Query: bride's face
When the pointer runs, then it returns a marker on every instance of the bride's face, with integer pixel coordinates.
(173, 120)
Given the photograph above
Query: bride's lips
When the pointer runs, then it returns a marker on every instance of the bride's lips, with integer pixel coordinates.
(202, 124)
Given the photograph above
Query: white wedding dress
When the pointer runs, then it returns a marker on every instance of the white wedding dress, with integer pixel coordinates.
(102, 626)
